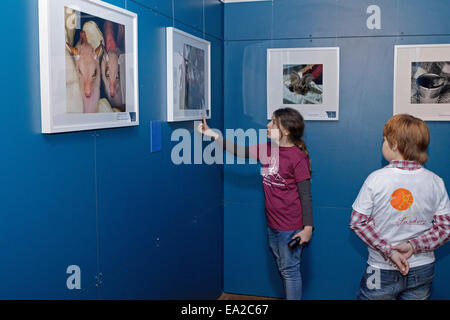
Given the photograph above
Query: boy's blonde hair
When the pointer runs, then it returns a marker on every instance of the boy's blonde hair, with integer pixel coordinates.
(410, 134)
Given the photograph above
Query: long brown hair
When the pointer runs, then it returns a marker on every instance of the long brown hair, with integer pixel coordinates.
(293, 121)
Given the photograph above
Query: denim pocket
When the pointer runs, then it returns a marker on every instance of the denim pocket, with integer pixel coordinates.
(389, 278)
(423, 274)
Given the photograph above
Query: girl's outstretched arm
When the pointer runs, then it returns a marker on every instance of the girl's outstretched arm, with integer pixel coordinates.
(230, 146)
(234, 149)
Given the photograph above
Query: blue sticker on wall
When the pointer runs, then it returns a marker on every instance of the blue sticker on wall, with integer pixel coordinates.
(155, 136)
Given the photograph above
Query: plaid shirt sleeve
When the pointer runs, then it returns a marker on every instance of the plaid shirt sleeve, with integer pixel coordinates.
(364, 228)
(435, 237)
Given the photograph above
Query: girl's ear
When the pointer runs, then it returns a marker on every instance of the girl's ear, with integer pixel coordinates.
(283, 130)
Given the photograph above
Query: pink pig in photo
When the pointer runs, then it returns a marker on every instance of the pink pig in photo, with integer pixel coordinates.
(95, 64)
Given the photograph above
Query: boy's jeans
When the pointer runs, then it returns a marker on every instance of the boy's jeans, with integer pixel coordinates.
(379, 284)
(288, 261)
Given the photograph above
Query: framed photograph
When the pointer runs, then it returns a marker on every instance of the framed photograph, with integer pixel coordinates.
(188, 76)
(305, 79)
(89, 64)
(422, 81)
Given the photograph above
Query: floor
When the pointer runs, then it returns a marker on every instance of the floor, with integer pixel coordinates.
(231, 296)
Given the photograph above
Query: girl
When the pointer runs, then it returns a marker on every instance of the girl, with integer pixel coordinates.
(286, 182)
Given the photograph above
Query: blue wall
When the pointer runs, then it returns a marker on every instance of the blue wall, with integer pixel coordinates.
(343, 153)
(99, 199)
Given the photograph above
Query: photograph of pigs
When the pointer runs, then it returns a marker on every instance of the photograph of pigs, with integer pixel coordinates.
(95, 64)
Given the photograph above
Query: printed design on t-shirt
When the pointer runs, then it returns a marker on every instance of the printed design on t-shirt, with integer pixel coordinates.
(402, 199)
(271, 177)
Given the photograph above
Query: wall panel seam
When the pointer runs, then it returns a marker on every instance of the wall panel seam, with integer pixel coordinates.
(174, 19)
(343, 37)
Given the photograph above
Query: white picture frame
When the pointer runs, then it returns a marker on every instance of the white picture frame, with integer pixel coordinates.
(188, 76)
(422, 81)
(65, 54)
(305, 79)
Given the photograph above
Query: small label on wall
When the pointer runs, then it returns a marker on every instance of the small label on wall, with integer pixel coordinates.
(331, 114)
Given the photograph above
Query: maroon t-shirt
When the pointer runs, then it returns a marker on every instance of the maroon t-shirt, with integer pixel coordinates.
(283, 207)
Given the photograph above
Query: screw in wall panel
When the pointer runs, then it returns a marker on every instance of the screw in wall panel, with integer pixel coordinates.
(99, 280)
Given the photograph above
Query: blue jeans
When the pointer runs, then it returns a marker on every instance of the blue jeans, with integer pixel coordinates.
(288, 261)
(379, 284)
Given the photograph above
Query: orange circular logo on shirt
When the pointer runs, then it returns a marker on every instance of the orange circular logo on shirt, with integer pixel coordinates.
(402, 199)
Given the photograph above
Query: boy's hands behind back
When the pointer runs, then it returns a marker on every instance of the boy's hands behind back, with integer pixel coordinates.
(400, 262)
(399, 258)
(405, 249)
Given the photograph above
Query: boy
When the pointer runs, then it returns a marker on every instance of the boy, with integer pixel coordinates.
(402, 213)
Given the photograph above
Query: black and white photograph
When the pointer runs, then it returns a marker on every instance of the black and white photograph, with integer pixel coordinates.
(194, 64)
(303, 83)
(422, 81)
(188, 76)
(430, 82)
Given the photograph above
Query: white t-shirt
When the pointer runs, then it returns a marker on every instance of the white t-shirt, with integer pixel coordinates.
(402, 204)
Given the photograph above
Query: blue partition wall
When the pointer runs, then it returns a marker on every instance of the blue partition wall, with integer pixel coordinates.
(138, 226)
(343, 152)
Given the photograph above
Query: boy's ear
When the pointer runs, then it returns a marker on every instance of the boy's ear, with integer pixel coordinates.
(394, 146)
